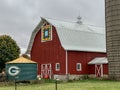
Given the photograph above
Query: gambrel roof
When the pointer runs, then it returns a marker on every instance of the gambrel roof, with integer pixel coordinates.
(74, 36)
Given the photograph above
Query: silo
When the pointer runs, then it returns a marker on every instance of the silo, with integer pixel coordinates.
(21, 69)
(112, 15)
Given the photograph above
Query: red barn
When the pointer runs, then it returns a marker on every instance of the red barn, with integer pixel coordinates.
(68, 50)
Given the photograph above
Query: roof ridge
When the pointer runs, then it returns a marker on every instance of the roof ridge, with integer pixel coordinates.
(72, 22)
(58, 20)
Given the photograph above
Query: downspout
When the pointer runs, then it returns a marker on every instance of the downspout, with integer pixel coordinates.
(67, 76)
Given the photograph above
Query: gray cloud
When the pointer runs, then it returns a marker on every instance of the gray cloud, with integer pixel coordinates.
(18, 18)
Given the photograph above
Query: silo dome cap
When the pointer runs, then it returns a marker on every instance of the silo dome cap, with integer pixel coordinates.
(21, 60)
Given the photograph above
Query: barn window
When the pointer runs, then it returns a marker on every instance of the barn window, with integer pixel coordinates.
(78, 67)
(46, 33)
(57, 66)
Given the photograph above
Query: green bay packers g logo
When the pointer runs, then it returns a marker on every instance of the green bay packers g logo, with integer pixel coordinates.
(13, 70)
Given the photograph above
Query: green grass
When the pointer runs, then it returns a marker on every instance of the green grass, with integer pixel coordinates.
(76, 85)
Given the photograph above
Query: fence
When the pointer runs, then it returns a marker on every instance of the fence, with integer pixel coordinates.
(44, 84)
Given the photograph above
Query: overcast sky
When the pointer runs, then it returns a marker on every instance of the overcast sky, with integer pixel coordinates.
(18, 18)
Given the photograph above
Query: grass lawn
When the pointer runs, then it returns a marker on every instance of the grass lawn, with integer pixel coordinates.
(77, 85)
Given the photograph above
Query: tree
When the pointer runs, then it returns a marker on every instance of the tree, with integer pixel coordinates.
(9, 50)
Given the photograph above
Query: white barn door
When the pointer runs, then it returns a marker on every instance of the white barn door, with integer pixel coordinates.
(46, 71)
(98, 70)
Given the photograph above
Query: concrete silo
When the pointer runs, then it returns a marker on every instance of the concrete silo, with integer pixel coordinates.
(112, 11)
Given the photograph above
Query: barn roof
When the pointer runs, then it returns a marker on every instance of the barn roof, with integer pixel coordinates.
(74, 36)
(99, 60)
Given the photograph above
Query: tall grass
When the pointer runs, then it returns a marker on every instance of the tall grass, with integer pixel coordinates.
(75, 85)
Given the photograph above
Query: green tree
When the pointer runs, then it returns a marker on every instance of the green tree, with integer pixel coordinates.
(9, 50)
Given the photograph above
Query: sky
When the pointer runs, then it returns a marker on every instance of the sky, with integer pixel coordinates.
(18, 18)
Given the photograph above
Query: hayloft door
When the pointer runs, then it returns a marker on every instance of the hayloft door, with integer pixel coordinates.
(98, 70)
(46, 71)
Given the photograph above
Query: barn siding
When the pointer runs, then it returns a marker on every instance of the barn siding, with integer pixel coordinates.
(105, 69)
(83, 58)
(48, 52)
(92, 69)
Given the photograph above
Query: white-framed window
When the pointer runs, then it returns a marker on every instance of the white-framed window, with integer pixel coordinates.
(78, 66)
(57, 66)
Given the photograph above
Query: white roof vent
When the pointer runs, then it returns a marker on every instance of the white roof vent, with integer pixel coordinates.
(79, 20)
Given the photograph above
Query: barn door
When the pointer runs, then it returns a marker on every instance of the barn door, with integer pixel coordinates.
(46, 71)
(98, 70)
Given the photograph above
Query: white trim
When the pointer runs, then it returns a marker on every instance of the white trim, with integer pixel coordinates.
(101, 70)
(80, 69)
(56, 67)
(66, 62)
(95, 71)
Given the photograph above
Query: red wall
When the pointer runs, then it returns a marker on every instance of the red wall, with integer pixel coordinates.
(83, 58)
(52, 52)
(105, 69)
(48, 52)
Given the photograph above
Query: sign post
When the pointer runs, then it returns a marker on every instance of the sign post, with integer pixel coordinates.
(15, 84)
(56, 83)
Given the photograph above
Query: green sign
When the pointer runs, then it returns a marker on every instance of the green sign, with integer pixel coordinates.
(21, 72)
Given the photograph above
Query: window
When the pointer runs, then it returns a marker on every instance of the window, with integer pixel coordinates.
(78, 67)
(46, 33)
(57, 66)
